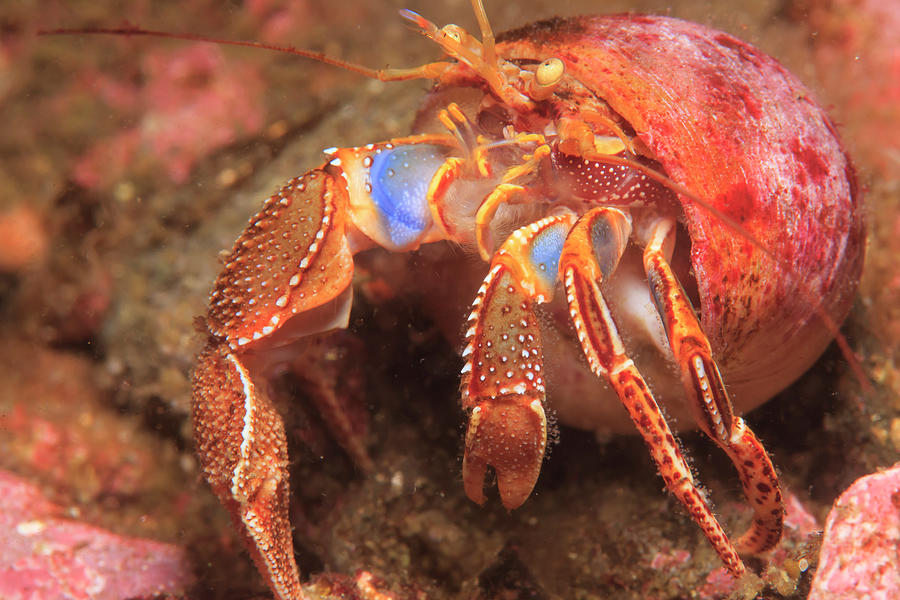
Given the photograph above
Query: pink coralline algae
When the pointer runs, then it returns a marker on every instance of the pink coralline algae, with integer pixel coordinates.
(193, 102)
(856, 40)
(861, 548)
(44, 556)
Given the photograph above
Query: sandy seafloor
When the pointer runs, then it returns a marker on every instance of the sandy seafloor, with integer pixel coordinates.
(135, 173)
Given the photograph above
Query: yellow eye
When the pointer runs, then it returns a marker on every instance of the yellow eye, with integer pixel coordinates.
(550, 72)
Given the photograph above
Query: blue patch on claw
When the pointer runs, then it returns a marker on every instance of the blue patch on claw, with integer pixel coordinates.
(400, 178)
(545, 251)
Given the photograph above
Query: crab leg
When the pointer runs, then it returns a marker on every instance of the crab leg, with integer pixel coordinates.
(300, 235)
(502, 381)
(591, 252)
(245, 462)
(710, 402)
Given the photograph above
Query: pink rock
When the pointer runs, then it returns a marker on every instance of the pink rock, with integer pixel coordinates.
(718, 584)
(44, 556)
(669, 558)
(798, 521)
(861, 548)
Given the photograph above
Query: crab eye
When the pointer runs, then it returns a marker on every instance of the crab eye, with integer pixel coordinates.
(550, 72)
(546, 78)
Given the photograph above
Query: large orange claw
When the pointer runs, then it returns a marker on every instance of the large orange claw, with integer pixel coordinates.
(503, 380)
(287, 278)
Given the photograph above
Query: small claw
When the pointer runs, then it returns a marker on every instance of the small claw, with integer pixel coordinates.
(510, 434)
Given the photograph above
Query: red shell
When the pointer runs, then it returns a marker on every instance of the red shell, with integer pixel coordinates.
(732, 125)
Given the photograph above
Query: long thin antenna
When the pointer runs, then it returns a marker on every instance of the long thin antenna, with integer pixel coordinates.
(427, 71)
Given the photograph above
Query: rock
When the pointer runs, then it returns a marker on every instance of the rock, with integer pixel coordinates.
(43, 555)
(861, 547)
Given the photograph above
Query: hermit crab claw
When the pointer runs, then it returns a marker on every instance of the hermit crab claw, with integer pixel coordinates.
(508, 433)
(502, 381)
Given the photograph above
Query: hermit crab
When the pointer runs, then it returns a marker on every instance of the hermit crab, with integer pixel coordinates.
(623, 172)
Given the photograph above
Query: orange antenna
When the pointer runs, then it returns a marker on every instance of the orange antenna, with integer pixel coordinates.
(427, 71)
(454, 40)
